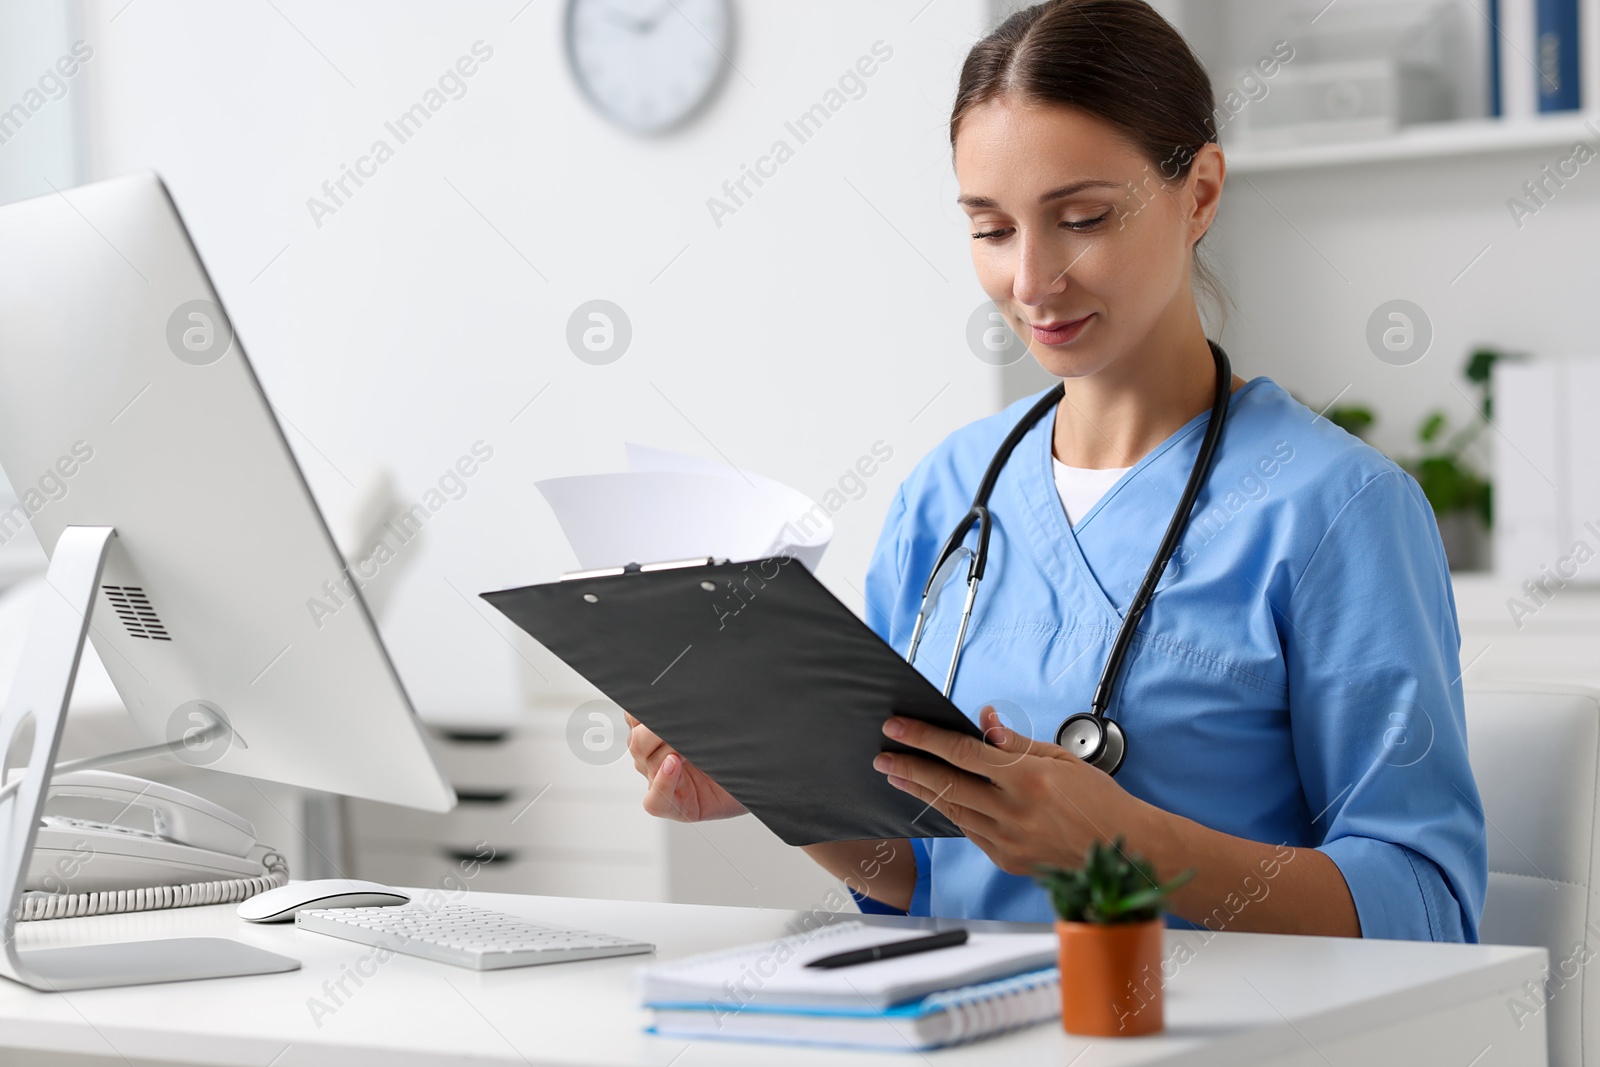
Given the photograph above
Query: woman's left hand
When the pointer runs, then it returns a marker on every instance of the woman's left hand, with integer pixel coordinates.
(1039, 805)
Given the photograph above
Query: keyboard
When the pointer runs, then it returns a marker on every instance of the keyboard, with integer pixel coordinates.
(466, 936)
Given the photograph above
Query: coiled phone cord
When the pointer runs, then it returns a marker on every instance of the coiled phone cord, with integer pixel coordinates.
(41, 904)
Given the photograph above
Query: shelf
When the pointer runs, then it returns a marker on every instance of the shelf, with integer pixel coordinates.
(1481, 598)
(1431, 141)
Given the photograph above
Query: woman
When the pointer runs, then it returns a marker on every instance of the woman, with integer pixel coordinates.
(1292, 696)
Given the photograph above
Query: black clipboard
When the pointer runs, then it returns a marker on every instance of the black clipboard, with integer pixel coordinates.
(759, 676)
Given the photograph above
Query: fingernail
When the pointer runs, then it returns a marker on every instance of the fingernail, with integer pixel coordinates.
(894, 728)
(882, 762)
(669, 766)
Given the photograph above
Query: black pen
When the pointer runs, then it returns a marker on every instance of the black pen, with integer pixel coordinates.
(908, 947)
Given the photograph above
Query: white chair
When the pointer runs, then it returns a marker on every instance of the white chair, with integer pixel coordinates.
(1535, 749)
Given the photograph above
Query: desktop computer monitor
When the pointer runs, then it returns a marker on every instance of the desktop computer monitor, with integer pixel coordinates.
(127, 401)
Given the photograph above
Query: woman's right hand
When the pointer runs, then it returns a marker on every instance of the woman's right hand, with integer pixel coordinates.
(678, 789)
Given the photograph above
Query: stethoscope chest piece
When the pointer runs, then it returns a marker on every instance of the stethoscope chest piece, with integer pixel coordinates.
(1096, 740)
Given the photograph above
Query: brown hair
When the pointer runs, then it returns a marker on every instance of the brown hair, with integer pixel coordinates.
(1117, 60)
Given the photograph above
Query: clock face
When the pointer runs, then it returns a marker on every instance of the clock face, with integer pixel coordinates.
(648, 64)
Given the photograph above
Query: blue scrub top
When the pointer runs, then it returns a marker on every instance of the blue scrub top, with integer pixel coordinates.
(1296, 679)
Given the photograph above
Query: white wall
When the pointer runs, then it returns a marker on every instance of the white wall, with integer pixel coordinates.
(1312, 253)
(40, 115)
(827, 314)
(38, 144)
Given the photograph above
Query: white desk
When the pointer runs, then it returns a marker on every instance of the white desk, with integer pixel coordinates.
(1242, 999)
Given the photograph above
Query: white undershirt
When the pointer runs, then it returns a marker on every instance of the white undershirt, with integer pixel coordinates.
(1081, 487)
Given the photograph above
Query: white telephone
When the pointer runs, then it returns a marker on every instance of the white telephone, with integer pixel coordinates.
(138, 844)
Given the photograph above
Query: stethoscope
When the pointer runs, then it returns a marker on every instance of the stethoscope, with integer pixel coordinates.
(1089, 735)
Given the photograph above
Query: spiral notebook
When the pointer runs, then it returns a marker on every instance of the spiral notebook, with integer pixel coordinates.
(952, 1017)
(774, 974)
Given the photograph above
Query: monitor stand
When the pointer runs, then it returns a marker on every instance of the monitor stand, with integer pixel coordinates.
(40, 693)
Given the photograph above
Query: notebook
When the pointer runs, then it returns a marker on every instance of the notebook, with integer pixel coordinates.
(950, 1018)
(773, 973)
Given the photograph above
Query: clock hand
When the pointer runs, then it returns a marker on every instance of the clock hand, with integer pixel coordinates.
(634, 24)
(649, 25)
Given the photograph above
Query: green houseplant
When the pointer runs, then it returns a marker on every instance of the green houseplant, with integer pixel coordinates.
(1108, 920)
(1461, 497)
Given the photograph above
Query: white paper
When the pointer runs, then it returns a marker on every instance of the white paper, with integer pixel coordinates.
(668, 505)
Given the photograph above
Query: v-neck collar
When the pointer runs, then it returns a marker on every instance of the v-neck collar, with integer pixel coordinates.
(1054, 539)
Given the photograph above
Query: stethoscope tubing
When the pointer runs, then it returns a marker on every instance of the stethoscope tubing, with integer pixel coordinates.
(979, 513)
(1169, 541)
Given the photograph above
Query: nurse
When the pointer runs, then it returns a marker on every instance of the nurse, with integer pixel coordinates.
(1291, 698)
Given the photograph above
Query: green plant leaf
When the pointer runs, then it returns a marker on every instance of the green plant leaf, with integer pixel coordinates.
(1112, 886)
(1354, 419)
(1480, 365)
(1432, 426)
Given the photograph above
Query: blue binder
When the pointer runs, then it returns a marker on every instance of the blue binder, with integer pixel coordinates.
(1558, 46)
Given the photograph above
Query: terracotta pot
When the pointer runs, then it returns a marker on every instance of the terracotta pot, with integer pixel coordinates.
(1111, 978)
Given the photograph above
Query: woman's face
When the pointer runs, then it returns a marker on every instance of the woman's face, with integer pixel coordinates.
(1075, 228)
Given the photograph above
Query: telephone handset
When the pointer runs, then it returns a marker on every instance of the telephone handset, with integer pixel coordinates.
(103, 832)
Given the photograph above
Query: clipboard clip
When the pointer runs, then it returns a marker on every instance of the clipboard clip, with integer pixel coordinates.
(642, 568)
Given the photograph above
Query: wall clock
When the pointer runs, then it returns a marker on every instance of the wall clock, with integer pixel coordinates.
(648, 65)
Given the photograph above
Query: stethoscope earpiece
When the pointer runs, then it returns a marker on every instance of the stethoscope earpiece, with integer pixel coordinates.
(1096, 740)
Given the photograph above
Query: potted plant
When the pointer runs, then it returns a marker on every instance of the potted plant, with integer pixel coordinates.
(1108, 918)
(1461, 497)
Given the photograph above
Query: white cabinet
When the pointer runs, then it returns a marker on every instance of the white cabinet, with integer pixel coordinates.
(531, 818)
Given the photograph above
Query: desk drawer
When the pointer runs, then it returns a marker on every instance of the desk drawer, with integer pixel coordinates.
(537, 750)
(557, 817)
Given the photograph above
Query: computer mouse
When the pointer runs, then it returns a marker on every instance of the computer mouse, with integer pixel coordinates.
(279, 905)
